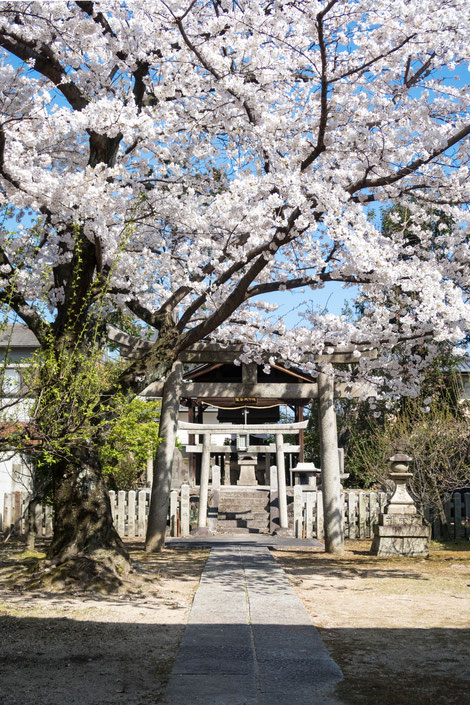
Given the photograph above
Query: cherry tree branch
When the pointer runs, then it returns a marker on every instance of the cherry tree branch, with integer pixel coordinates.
(320, 145)
(46, 64)
(298, 282)
(410, 168)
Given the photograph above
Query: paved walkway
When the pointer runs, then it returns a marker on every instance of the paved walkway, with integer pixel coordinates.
(249, 639)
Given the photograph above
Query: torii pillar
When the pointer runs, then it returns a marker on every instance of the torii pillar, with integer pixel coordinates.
(161, 486)
(331, 484)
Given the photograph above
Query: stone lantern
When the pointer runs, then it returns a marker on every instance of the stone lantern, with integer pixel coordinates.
(401, 531)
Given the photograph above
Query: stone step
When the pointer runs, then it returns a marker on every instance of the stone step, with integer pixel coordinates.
(242, 502)
(250, 516)
(243, 493)
(248, 501)
(241, 530)
(230, 509)
(243, 511)
(246, 516)
(243, 522)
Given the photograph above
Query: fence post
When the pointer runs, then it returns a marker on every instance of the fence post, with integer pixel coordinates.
(352, 515)
(319, 517)
(173, 512)
(310, 503)
(131, 514)
(39, 519)
(362, 515)
(121, 522)
(273, 500)
(213, 509)
(216, 477)
(382, 501)
(298, 507)
(112, 501)
(141, 513)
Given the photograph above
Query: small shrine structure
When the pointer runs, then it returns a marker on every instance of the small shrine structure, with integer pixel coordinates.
(245, 458)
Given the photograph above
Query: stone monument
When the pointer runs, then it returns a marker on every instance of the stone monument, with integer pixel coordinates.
(247, 464)
(401, 531)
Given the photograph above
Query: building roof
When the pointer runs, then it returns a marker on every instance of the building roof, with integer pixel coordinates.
(18, 336)
(464, 365)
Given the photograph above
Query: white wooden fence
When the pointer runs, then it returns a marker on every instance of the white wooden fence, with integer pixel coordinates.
(360, 512)
(15, 505)
(129, 509)
(130, 512)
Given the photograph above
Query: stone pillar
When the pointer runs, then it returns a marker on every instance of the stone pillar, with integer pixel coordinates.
(216, 477)
(298, 511)
(341, 460)
(204, 486)
(159, 498)
(273, 500)
(281, 483)
(213, 510)
(150, 470)
(184, 510)
(227, 469)
(174, 513)
(331, 485)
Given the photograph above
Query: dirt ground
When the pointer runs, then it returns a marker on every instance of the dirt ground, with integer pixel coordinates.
(398, 628)
(72, 648)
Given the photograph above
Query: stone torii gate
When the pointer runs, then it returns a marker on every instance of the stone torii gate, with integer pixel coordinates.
(174, 388)
(278, 430)
(325, 390)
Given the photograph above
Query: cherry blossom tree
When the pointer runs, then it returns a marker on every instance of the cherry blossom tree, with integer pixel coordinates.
(184, 160)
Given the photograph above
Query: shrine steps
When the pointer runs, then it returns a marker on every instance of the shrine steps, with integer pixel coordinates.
(243, 510)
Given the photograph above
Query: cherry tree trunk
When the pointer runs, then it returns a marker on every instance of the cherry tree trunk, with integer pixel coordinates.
(83, 523)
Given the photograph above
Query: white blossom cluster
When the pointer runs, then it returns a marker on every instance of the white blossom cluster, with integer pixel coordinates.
(214, 153)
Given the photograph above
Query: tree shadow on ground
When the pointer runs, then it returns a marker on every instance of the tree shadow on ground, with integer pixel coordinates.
(27, 571)
(84, 662)
(361, 565)
(463, 545)
(401, 666)
(87, 662)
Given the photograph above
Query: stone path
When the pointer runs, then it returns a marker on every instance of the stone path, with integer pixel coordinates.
(249, 639)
